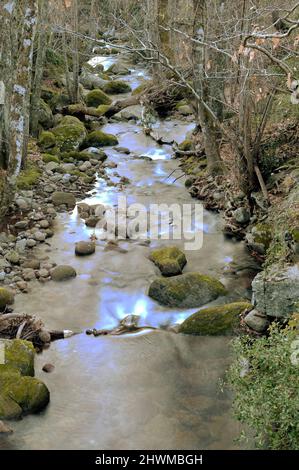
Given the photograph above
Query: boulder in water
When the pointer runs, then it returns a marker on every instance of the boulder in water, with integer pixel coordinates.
(63, 273)
(84, 248)
(188, 290)
(6, 297)
(61, 198)
(170, 260)
(218, 320)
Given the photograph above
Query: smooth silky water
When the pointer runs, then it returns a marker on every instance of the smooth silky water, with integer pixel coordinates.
(155, 390)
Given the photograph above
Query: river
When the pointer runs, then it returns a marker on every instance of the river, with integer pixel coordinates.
(155, 390)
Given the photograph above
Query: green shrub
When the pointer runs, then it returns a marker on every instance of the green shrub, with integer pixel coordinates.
(266, 385)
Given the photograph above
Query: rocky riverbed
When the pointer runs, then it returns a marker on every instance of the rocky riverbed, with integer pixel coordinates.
(149, 390)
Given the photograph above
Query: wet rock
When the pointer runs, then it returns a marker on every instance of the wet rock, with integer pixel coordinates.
(19, 356)
(218, 320)
(124, 150)
(92, 221)
(187, 290)
(257, 321)
(276, 291)
(84, 248)
(42, 273)
(62, 273)
(96, 153)
(5, 429)
(62, 198)
(48, 368)
(6, 297)
(119, 69)
(170, 260)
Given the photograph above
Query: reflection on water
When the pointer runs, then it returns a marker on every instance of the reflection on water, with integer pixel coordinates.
(157, 390)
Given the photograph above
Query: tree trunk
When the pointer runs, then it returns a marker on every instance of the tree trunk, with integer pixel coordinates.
(19, 106)
(75, 52)
(39, 66)
(201, 84)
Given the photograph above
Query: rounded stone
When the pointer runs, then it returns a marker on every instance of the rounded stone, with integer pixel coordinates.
(84, 248)
(63, 273)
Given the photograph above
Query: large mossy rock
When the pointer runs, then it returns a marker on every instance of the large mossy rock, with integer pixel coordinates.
(6, 297)
(20, 392)
(187, 290)
(61, 198)
(97, 97)
(69, 134)
(19, 355)
(118, 69)
(45, 116)
(115, 87)
(259, 238)
(276, 291)
(218, 320)
(91, 81)
(46, 141)
(170, 260)
(99, 139)
(21, 395)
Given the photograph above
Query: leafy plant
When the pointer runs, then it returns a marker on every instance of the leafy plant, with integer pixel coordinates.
(265, 381)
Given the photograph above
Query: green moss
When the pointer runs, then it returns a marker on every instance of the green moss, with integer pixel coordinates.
(170, 260)
(102, 109)
(97, 97)
(116, 87)
(6, 297)
(69, 134)
(141, 88)
(219, 320)
(99, 139)
(187, 290)
(47, 158)
(19, 355)
(28, 177)
(75, 155)
(46, 140)
(262, 233)
(186, 145)
(59, 101)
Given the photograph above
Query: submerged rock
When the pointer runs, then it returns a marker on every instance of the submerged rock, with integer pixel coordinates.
(62, 273)
(187, 290)
(218, 320)
(276, 291)
(84, 248)
(170, 260)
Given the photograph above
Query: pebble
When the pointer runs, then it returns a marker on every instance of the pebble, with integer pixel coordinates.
(5, 429)
(48, 368)
(39, 236)
(30, 243)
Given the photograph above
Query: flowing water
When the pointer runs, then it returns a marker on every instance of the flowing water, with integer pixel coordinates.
(155, 390)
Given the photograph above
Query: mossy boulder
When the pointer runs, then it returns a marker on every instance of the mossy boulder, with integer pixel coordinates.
(170, 260)
(99, 139)
(75, 155)
(21, 395)
(48, 158)
(97, 97)
(115, 87)
(218, 320)
(63, 273)
(186, 145)
(118, 69)
(187, 290)
(6, 297)
(61, 198)
(45, 116)
(260, 237)
(69, 134)
(102, 109)
(59, 101)
(46, 140)
(19, 356)
(28, 177)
